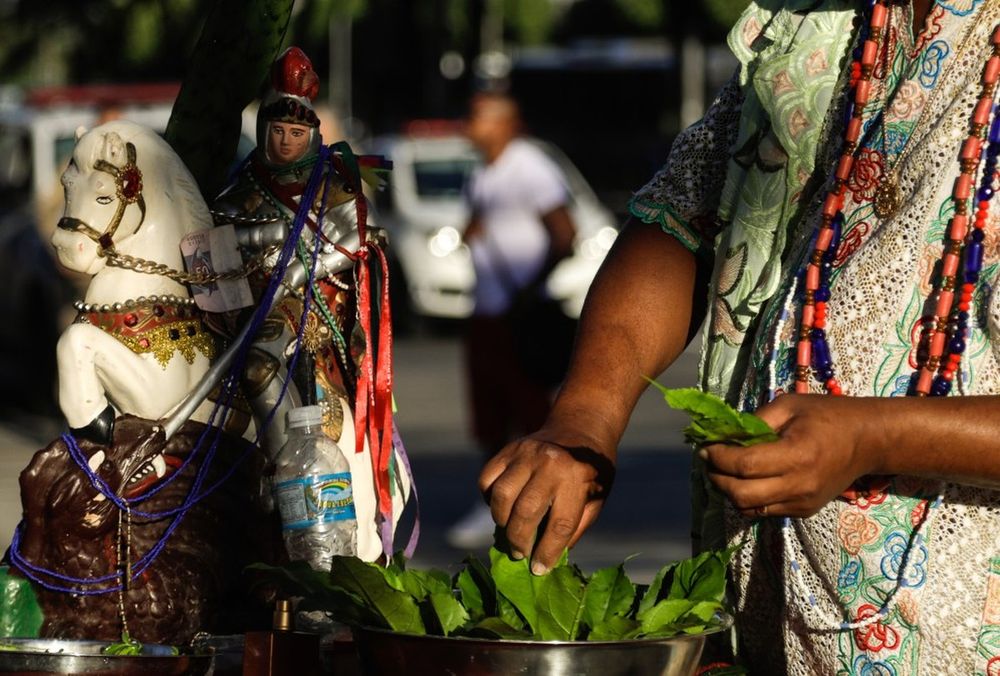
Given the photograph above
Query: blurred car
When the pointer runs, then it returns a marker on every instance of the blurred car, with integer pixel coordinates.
(425, 213)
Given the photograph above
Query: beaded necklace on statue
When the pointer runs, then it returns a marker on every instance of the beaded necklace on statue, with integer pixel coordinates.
(942, 340)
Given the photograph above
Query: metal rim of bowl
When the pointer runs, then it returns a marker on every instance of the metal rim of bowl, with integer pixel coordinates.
(79, 648)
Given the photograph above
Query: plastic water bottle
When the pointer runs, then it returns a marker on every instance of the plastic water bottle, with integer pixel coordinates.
(312, 488)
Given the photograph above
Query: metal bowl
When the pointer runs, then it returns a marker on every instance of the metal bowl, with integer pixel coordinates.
(385, 652)
(53, 656)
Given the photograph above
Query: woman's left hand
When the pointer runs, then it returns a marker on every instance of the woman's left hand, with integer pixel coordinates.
(825, 445)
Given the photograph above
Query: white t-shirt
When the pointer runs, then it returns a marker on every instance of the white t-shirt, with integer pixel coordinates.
(509, 196)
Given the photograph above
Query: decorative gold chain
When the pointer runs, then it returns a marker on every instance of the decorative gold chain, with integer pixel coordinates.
(126, 262)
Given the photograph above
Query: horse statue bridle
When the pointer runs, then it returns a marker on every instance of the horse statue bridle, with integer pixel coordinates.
(128, 189)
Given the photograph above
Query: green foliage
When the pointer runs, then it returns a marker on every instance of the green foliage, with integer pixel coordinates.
(531, 20)
(714, 421)
(20, 614)
(648, 13)
(127, 647)
(141, 31)
(725, 12)
(508, 601)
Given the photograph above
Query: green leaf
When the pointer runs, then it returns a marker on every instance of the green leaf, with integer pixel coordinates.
(484, 582)
(494, 627)
(609, 592)
(702, 578)
(471, 595)
(515, 582)
(713, 420)
(615, 628)
(449, 612)
(507, 613)
(20, 614)
(398, 609)
(560, 604)
(127, 647)
(652, 593)
(664, 613)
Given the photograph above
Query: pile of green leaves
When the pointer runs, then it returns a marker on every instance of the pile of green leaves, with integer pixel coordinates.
(715, 421)
(506, 601)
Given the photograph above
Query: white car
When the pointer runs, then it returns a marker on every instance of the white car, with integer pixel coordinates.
(425, 214)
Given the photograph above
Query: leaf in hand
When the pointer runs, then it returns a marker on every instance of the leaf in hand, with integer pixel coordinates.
(713, 420)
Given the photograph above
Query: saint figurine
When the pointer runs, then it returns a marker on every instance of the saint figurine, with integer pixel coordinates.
(262, 203)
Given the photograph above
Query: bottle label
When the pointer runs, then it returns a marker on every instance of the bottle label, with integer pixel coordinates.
(308, 501)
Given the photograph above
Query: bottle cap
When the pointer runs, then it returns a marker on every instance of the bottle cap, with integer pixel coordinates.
(282, 619)
(305, 416)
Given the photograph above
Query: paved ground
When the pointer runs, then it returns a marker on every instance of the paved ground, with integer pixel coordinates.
(646, 515)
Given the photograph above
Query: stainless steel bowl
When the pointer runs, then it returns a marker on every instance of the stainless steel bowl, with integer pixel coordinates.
(385, 652)
(53, 656)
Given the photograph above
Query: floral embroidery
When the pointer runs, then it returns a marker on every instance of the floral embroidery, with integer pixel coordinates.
(918, 513)
(898, 551)
(877, 636)
(930, 66)
(848, 576)
(865, 666)
(856, 530)
(901, 386)
(993, 667)
(868, 491)
(851, 242)
(868, 171)
(908, 101)
(959, 7)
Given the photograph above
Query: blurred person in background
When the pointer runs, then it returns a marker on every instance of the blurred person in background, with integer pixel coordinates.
(519, 230)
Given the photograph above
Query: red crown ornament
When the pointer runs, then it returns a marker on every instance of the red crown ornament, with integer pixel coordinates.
(293, 74)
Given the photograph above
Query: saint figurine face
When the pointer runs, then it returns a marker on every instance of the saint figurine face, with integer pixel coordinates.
(287, 142)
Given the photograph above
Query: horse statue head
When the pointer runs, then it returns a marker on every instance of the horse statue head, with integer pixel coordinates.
(126, 190)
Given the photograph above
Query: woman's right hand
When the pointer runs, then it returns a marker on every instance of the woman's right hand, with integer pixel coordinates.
(547, 489)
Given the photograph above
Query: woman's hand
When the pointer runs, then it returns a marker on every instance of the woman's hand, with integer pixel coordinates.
(826, 444)
(550, 485)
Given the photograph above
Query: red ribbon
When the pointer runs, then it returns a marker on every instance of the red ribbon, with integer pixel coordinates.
(373, 402)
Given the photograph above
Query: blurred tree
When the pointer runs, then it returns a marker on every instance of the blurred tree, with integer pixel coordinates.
(60, 41)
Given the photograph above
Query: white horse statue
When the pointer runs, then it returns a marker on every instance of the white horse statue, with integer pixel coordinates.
(138, 345)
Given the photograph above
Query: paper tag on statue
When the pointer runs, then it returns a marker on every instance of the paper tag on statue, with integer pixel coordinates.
(209, 252)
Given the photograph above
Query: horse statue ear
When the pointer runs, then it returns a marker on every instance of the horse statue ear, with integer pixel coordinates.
(80, 131)
(113, 150)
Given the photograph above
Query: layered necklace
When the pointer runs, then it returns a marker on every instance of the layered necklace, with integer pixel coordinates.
(943, 336)
(942, 340)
